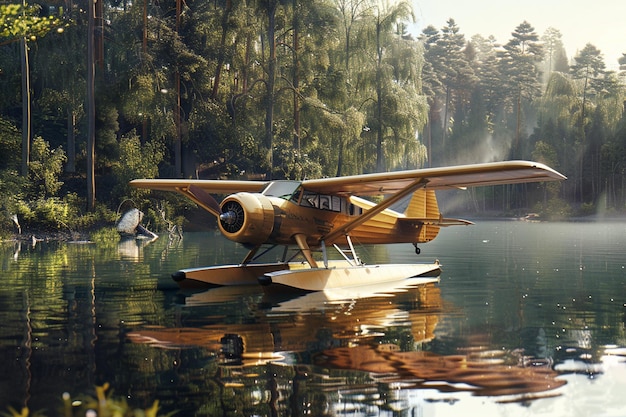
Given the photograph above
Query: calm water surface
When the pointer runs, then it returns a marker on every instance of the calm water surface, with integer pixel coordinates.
(527, 319)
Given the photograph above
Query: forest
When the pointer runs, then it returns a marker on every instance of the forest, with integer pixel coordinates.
(95, 94)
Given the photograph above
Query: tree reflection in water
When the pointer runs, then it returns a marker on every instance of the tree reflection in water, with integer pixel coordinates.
(517, 301)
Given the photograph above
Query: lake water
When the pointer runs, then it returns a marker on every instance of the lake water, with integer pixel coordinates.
(527, 319)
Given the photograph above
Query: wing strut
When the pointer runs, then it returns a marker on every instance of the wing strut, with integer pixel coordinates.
(346, 228)
(355, 259)
(251, 254)
(306, 250)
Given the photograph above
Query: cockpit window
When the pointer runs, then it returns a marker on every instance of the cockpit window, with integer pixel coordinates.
(282, 189)
(321, 201)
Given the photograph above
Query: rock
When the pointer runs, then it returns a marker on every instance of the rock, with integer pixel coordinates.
(129, 221)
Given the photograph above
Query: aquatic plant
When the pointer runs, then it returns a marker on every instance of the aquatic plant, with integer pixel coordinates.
(103, 405)
(106, 236)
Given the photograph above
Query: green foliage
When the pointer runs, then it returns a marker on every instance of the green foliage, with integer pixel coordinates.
(559, 100)
(135, 161)
(86, 220)
(103, 404)
(332, 88)
(107, 126)
(11, 194)
(9, 145)
(165, 214)
(546, 154)
(24, 412)
(45, 167)
(52, 214)
(106, 236)
(224, 149)
(587, 209)
(555, 209)
(17, 21)
(12, 188)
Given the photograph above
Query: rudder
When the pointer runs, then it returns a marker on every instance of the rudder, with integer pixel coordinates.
(423, 205)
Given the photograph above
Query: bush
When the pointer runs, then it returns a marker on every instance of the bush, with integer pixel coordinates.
(45, 168)
(23, 211)
(10, 145)
(587, 209)
(555, 209)
(106, 236)
(55, 213)
(136, 161)
(11, 189)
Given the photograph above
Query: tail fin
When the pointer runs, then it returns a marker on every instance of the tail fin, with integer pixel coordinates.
(423, 206)
(423, 212)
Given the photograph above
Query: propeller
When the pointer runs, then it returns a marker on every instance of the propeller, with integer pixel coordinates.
(232, 217)
(205, 198)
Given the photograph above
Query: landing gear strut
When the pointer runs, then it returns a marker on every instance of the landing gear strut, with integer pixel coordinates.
(417, 250)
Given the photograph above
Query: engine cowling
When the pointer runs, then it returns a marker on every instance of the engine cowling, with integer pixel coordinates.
(246, 218)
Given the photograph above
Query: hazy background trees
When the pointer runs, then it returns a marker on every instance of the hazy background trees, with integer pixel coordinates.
(300, 89)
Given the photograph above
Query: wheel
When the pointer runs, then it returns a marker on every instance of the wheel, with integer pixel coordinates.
(417, 250)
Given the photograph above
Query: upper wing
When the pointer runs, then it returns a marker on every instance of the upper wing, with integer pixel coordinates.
(493, 173)
(200, 191)
(209, 186)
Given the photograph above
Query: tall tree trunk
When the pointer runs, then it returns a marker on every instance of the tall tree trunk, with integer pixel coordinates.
(144, 34)
(581, 168)
(178, 147)
(429, 149)
(271, 80)
(90, 108)
(245, 75)
(518, 127)
(221, 56)
(296, 83)
(339, 172)
(444, 130)
(99, 33)
(70, 166)
(380, 164)
(25, 106)
(177, 119)
(348, 30)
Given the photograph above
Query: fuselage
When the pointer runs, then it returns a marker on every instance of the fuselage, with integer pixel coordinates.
(284, 210)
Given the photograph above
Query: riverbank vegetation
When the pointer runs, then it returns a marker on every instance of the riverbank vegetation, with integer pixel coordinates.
(102, 404)
(287, 89)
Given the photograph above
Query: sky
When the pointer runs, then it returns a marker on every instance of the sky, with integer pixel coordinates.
(599, 22)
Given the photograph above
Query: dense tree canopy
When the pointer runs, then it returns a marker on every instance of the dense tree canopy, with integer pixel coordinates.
(296, 89)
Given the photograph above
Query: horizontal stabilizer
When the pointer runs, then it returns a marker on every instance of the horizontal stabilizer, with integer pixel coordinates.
(436, 221)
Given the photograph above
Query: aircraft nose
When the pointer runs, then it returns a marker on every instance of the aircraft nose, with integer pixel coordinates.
(228, 217)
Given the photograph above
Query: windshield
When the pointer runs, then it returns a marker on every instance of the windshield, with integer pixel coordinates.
(282, 189)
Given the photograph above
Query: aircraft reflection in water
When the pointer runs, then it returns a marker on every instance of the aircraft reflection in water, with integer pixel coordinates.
(317, 337)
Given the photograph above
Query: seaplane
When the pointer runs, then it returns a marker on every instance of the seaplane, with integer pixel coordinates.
(307, 218)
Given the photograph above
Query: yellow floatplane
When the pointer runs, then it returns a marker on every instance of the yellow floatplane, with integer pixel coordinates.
(315, 215)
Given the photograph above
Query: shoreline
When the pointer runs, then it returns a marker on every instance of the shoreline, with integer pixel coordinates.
(44, 236)
(40, 235)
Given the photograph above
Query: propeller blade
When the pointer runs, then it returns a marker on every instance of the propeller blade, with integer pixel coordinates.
(207, 200)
